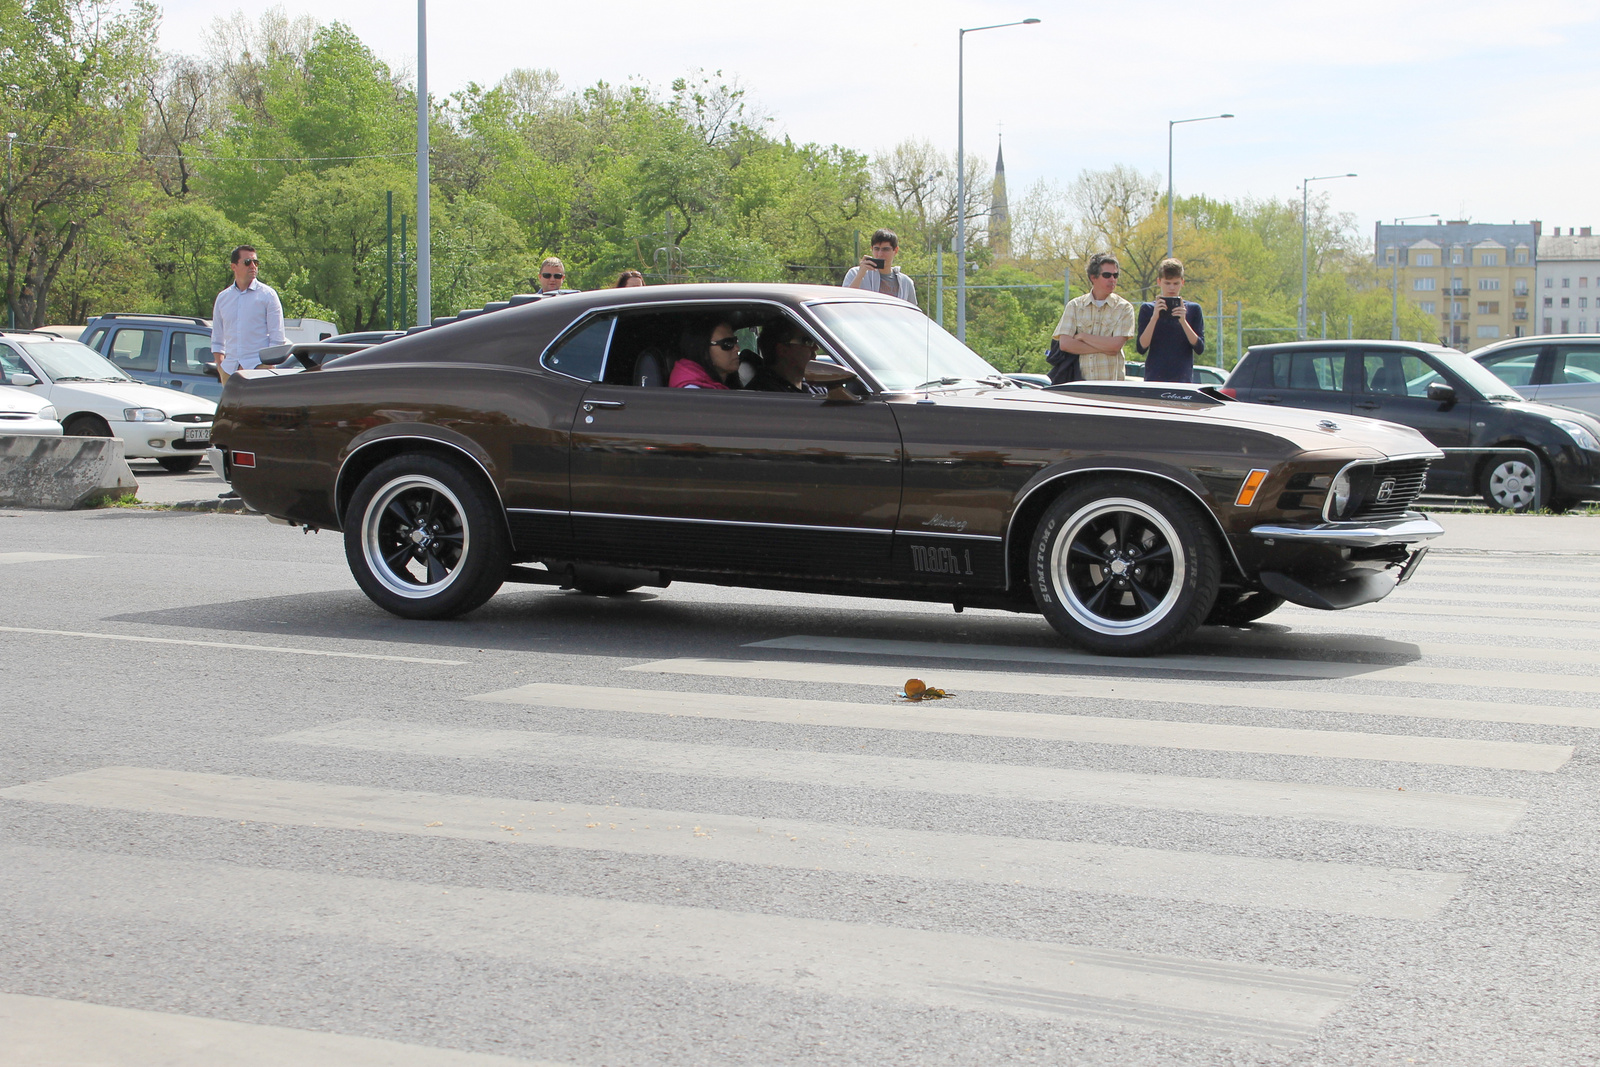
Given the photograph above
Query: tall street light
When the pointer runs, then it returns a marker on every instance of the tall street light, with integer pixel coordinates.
(424, 233)
(961, 168)
(1305, 206)
(1394, 280)
(1171, 123)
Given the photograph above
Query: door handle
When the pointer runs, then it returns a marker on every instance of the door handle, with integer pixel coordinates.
(590, 405)
(1368, 405)
(1273, 399)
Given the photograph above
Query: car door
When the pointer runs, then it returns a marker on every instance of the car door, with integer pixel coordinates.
(1305, 378)
(1574, 380)
(734, 480)
(188, 352)
(137, 350)
(1393, 386)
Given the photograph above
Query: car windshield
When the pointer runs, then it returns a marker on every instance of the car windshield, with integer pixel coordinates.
(1474, 374)
(66, 361)
(904, 349)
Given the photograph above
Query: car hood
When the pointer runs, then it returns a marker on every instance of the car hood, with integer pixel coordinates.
(13, 398)
(110, 398)
(1551, 411)
(1310, 431)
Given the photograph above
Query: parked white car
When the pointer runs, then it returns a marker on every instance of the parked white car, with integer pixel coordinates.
(93, 398)
(24, 414)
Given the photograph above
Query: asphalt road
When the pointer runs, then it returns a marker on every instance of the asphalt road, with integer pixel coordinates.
(247, 818)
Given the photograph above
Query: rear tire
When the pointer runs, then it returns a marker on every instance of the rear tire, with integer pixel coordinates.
(425, 539)
(1124, 568)
(179, 464)
(1243, 608)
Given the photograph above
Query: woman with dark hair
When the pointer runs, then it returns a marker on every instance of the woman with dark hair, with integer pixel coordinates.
(628, 279)
(708, 357)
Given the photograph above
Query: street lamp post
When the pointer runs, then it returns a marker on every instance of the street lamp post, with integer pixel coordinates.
(424, 233)
(961, 168)
(1394, 280)
(1171, 123)
(1305, 207)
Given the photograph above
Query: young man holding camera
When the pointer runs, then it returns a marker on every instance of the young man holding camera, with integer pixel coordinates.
(1172, 330)
(878, 274)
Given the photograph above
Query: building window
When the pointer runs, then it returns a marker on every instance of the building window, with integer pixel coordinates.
(1488, 331)
(1389, 254)
(1522, 257)
(1428, 306)
(1455, 258)
(1565, 326)
(1516, 331)
(1522, 288)
(1423, 285)
(1488, 259)
(1488, 307)
(1549, 325)
(1583, 301)
(1583, 283)
(1566, 283)
(1566, 301)
(1549, 301)
(1549, 283)
(1488, 283)
(1583, 325)
(1424, 259)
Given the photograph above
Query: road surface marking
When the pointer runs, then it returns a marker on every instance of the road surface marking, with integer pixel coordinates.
(1078, 729)
(930, 969)
(44, 1032)
(1359, 805)
(553, 822)
(225, 644)
(38, 557)
(1312, 670)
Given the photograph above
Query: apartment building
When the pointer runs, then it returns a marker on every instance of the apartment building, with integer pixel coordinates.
(1475, 279)
(1567, 285)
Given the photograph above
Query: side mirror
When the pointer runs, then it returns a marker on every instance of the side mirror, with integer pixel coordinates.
(24, 380)
(835, 378)
(1441, 393)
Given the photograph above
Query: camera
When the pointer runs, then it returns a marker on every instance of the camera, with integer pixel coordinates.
(875, 261)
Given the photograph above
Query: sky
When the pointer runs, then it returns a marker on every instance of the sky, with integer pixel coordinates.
(1478, 110)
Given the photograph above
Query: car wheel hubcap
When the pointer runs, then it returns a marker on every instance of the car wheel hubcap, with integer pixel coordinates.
(1511, 485)
(414, 537)
(1118, 566)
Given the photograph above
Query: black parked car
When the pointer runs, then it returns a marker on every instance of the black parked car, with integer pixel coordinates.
(1452, 400)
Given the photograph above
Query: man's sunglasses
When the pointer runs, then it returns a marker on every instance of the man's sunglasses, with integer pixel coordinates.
(250, 262)
(544, 275)
(727, 344)
(1110, 274)
(803, 342)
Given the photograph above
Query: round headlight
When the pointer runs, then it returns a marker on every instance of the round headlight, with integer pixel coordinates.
(49, 414)
(143, 415)
(1339, 496)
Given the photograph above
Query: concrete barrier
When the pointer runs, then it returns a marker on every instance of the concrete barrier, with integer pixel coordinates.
(61, 473)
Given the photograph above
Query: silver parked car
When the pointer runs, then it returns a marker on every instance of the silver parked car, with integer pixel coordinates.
(1561, 369)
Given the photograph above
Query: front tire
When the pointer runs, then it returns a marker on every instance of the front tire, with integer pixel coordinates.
(1509, 484)
(1124, 568)
(86, 426)
(425, 539)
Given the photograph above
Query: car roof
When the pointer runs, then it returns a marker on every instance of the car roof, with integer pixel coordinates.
(1345, 342)
(1538, 338)
(148, 316)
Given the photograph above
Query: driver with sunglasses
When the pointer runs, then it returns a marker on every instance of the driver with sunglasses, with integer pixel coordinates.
(1097, 324)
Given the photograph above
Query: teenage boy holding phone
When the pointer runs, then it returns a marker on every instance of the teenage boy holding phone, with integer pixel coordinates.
(1172, 330)
(878, 274)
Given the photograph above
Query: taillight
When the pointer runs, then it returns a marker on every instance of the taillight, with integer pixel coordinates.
(1228, 392)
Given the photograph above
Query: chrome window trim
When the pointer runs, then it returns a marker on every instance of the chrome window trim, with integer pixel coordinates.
(1116, 470)
(338, 479)
(573, 327)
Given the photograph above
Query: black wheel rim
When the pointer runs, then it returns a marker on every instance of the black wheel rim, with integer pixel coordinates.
(1118, 566)
(414, 537)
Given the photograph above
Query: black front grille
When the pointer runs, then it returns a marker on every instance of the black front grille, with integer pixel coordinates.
(197, 417)
(1387, 490)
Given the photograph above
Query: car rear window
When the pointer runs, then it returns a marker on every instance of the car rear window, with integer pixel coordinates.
(1311, 371)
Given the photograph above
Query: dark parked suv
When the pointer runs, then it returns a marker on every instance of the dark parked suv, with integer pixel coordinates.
(1452, 400)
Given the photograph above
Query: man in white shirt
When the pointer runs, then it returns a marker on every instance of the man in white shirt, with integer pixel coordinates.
(878, 274)
(246, 317)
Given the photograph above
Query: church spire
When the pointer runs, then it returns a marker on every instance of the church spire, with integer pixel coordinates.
(999, 211)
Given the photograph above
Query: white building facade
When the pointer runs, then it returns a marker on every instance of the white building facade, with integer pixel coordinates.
(1567, 282)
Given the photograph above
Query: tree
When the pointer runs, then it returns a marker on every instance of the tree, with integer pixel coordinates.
(189, 246)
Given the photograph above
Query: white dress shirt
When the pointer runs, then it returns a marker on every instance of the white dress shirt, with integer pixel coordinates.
(243, 322)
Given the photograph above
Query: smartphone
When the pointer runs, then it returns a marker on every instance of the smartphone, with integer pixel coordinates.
(875, 261)
(1173, 303)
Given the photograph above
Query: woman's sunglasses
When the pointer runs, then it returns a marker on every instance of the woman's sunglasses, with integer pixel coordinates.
(727, 344)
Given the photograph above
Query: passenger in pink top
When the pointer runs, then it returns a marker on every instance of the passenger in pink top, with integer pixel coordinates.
(706, 359)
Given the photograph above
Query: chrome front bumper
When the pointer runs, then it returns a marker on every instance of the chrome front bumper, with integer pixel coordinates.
(1407, 529)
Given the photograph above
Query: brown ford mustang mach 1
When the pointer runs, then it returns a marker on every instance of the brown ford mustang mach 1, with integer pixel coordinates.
(535, 440)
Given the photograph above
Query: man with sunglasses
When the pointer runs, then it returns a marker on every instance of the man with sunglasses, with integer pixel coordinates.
(246, 317)
(1096, 325)
(786, 350)
(552, 275)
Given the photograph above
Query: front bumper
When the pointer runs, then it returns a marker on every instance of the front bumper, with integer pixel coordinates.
(1408, 529)
(136, 438)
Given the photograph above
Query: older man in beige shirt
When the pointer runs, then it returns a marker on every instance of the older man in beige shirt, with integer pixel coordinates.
(1097, 324)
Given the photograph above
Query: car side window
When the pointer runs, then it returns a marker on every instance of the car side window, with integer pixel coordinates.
(95, 338)
(1576, 365)
(1515, 366)
(10, 364)
(1381, 373)
(135, 349)
(1418, 374)
(188, 353)
(582, 352)
(1311, 371)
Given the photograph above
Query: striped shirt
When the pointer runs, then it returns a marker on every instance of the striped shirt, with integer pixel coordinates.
(1113, 318)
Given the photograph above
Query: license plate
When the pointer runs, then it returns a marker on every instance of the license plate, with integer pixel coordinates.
(1411, 566)
(197, 433)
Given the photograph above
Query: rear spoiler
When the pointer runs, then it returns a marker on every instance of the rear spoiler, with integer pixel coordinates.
(311, 354)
